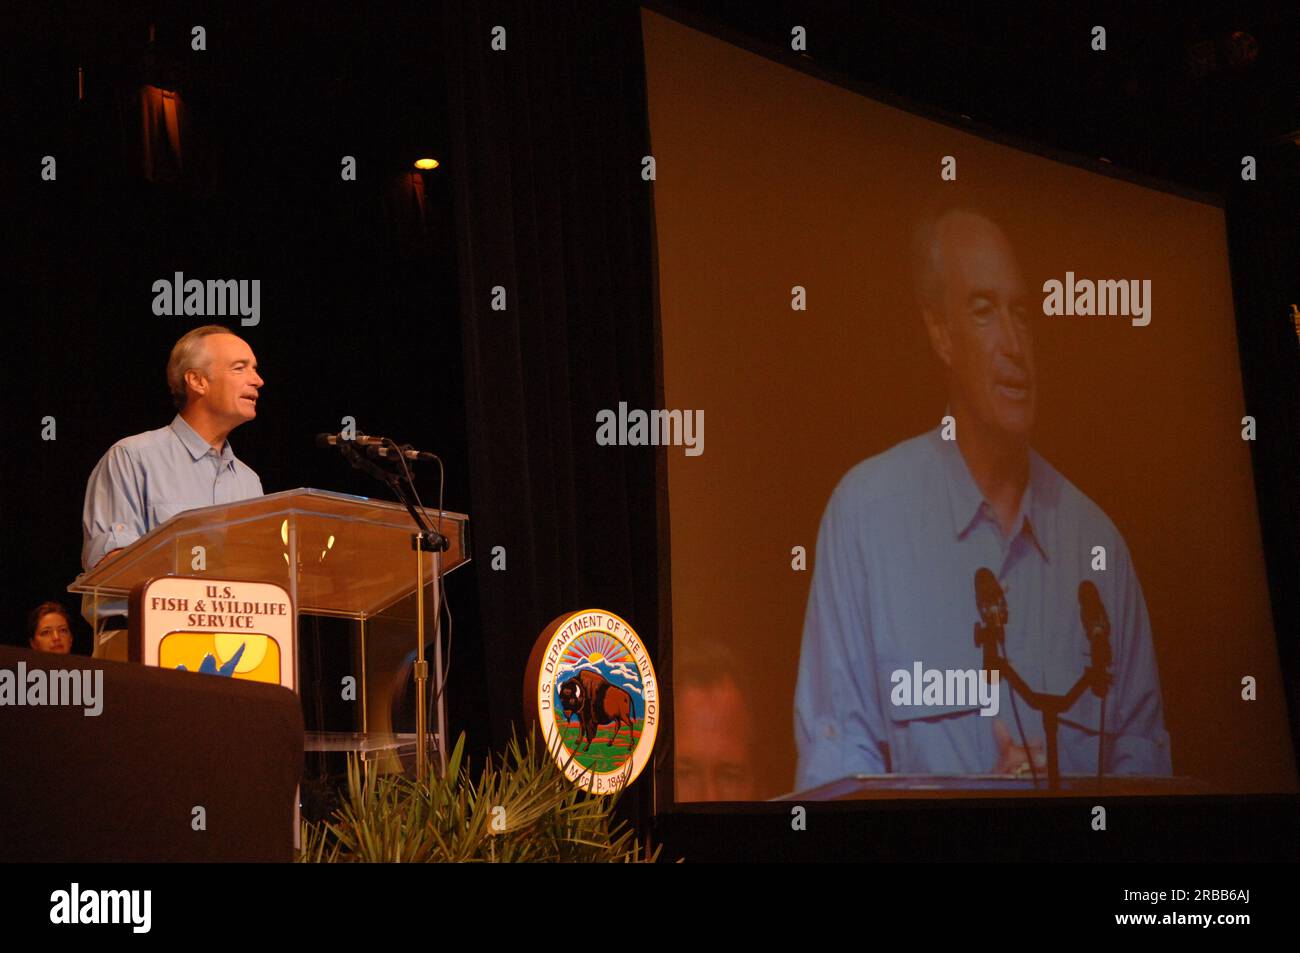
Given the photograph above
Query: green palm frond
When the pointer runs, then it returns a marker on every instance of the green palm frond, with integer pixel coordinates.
(520, 807)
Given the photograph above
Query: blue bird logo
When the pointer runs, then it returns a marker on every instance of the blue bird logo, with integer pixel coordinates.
(209, 664)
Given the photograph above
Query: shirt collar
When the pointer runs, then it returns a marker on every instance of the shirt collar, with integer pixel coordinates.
(196, 445)
(966, 503)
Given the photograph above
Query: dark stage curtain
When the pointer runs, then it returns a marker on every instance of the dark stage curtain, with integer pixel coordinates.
(1264, 249)
(547, 139)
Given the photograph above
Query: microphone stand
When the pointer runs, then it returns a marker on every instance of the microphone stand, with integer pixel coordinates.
(988, 637)
(425, 540)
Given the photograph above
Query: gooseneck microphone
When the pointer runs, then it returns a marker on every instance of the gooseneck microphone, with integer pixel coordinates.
(360, 440)
(374, 446)
(1096, 626)
(990, 633)
(990, 599)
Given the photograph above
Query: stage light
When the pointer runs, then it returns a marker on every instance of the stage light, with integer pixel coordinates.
(425, 165)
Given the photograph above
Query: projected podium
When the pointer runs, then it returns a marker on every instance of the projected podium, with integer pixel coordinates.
(863, 787)
(353, 558)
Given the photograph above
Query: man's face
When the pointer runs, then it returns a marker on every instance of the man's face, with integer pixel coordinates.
(983, 332)
(713, 744)
(232, 382)
(53, 634)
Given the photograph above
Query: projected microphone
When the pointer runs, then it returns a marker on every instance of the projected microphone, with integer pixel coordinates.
(992, 604)
(1096, 625)
(990, 598)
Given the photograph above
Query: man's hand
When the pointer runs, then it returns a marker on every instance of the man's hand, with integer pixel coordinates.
(1012, 758)
(108, 556)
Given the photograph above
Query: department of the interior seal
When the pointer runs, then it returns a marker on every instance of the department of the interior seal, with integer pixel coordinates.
(593, 688)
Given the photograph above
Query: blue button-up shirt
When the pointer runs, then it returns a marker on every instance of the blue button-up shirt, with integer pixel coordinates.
(146, 479)
(893, 585)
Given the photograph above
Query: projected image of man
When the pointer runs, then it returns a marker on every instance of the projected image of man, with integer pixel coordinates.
(905, 532)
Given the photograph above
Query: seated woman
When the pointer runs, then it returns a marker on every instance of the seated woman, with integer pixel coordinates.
(48, 629)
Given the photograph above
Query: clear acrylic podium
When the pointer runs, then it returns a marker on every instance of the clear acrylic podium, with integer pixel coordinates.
(353, 555)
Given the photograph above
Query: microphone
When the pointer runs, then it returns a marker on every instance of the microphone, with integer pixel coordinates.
(405, 450)
(1096, 625)
(360, 440)
(992, 604)
(990, 598)
(375, 446)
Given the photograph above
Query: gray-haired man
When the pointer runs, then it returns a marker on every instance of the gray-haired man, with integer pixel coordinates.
(146, 479)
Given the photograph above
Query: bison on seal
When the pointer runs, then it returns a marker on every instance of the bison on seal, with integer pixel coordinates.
(596, 702)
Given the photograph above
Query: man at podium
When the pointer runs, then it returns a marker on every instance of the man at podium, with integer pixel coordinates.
(146, 479)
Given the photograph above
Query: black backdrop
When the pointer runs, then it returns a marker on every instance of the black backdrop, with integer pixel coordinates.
(551, 207)
(1264, 252)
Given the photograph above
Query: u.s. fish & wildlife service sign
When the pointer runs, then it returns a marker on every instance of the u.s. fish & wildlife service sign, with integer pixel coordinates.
(592, 687)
